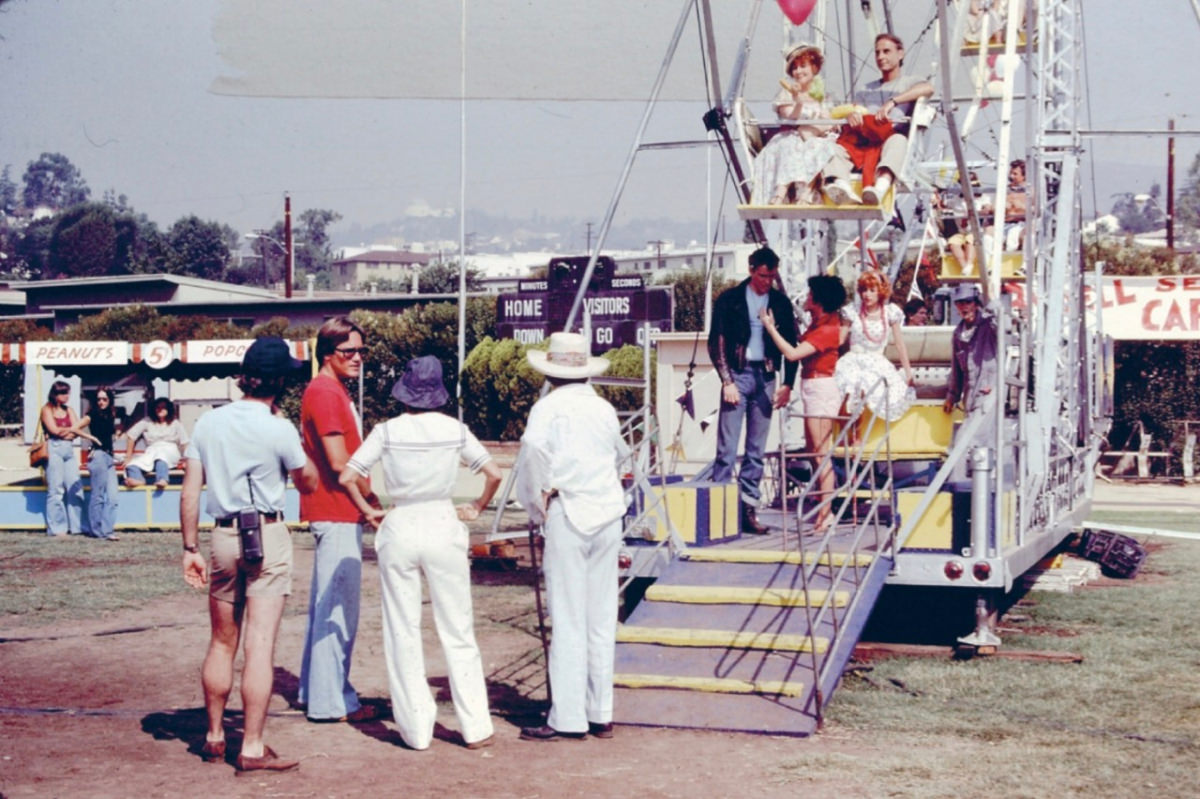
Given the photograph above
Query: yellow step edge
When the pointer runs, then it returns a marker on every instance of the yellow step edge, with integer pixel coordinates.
(711, 685)
(728, 639)
(724, 555)
(724, 595)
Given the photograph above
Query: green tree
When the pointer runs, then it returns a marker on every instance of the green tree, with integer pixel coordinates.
(12, 375)
(200, 249)
(52, 180)
(1123, 257)
(441, 277)
(500, 387)
(91, 239)
(1187, 203)
(31, 249)
(8, 192)
(312, 250)
(689, 297)
(1138, 214)
(314, 234)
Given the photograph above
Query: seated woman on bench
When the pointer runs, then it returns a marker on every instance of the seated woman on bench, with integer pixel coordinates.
(789, 167)
(165, 439)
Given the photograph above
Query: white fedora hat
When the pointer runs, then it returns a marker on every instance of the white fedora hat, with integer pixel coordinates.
(567, 358)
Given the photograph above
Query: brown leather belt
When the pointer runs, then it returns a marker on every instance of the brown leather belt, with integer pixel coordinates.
(232, 521)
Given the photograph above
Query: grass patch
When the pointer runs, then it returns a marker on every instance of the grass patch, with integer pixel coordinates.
(74, 576)
(1124, 722)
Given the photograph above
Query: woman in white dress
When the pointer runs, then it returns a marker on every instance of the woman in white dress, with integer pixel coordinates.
(795, 156)
(864, 374)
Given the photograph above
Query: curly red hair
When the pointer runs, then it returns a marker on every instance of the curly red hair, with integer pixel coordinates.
(873, 278)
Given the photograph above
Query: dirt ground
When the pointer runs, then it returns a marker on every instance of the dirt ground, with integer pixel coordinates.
(112, 707)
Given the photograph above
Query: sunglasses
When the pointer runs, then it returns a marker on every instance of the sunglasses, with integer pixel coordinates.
(350, 352)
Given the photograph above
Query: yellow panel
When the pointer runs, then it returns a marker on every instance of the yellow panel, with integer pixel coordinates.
(825, 209)
(936, 528)
(711, 684)
(1008, 521)
(681, 504)
(726, 639)
(1012, 265)
(723, 595)
(924, 431)
(723, 511)
(791, 558)
(732, 511)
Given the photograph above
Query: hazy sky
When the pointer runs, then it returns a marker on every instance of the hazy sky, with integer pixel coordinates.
(124, 88)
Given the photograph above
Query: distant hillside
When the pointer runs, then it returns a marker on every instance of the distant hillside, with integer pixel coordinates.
(490, 233)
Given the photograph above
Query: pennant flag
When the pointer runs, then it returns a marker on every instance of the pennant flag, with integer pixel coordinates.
(688, 403)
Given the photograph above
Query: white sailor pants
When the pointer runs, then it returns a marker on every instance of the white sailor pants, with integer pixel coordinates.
(581, 591)
(427, 538)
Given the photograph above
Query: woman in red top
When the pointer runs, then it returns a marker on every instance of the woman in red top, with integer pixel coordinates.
(817, 352)
(64, 487)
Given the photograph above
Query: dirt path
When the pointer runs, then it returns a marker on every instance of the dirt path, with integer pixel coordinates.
(112, 707)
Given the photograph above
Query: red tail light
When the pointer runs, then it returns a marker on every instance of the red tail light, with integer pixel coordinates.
(953, 569)
(982, 571)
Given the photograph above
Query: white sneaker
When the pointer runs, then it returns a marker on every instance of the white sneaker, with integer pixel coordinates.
(874, 194)
(840, 193)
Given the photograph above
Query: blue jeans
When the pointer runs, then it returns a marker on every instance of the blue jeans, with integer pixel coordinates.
(162, 473)
(64, 490)
(332, 621)
(756, 393)
(102, 504)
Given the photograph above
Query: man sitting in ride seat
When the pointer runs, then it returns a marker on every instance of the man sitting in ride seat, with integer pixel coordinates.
(876, 144)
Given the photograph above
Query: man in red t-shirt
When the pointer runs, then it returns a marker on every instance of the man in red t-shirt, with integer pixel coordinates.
(331, 431)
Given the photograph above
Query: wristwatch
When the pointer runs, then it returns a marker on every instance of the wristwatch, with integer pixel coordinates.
(193, 548)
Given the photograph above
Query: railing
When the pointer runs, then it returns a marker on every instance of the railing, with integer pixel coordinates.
(870, 531)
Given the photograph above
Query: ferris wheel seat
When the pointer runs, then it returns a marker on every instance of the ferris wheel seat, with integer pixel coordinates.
(1012, 266)
(825, 209)
(996, 47)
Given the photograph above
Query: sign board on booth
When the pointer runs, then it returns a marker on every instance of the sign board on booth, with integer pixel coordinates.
(1148, 308)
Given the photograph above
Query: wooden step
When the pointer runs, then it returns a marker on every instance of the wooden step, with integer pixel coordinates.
(725, 639)
(773, 597)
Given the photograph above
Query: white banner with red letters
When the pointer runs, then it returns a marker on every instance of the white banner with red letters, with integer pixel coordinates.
(1162, 308)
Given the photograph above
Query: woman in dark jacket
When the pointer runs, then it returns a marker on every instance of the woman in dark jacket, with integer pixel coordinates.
(101, 421)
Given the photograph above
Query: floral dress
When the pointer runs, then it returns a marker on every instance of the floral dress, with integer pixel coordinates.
(795, 154)
(858, 373)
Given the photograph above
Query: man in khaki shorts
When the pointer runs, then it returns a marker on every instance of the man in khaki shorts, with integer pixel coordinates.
(242, 452)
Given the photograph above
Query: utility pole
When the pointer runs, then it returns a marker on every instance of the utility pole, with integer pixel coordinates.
(1170, 186)
(658, 243)
(289, 251)
(589, 238)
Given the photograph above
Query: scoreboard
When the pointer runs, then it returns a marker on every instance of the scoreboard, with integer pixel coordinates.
(618, 305)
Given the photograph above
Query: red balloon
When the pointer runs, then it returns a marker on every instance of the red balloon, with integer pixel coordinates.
(797, 10)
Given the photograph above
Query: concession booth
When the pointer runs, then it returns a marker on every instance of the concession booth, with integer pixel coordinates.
(195, 375)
